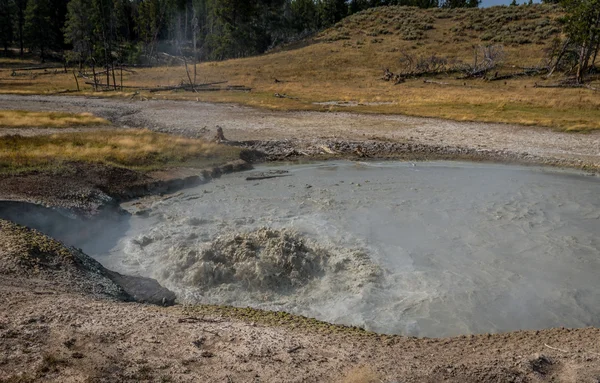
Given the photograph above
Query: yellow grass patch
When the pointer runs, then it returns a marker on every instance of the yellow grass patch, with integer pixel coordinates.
(27, 119)
(137, 149)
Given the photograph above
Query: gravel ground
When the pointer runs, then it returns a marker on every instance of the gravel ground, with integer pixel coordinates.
(313, 129)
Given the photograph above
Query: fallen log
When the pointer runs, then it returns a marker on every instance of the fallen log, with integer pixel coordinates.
(196, 88)
(559, 86)
(475, 73)
(37, 68)
(518, 74)
(266, 177)
(213, 83)
(399, 78)
(116, 68)
(566, 86)
(435, 82)
(283, 95)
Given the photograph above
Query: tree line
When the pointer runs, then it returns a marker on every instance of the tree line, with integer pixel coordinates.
(128, 30)
(102, 32)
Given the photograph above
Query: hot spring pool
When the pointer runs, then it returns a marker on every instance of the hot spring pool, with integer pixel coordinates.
(427, 249)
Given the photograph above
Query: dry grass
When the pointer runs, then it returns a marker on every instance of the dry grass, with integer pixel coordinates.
(345, 63)
(8, 62)
(27, 119)
(135, 149)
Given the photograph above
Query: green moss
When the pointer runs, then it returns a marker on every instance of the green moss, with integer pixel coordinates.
(278, 318)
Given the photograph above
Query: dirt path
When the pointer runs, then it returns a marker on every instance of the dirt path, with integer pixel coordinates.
(244, 123)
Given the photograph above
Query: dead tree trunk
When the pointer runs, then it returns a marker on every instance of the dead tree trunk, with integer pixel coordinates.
(76, 81)
(195, 30)
(95, 78)
(559, 57)
(113, 75)
(586, 52)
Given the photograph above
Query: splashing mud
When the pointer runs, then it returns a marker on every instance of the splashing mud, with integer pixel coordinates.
(428, 249)
(264, 264)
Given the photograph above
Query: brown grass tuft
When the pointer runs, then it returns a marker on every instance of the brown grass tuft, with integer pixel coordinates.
(27, 119)
(136, 149)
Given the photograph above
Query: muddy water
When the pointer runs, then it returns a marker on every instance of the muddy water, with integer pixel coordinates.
(426, 249)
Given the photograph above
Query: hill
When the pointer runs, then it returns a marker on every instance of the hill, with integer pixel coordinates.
(341, 69)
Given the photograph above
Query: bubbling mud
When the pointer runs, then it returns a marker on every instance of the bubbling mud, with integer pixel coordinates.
(264, 264)
(426, 249)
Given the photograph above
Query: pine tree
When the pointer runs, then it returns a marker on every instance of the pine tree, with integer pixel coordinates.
(38, 31)
(6, 23)
(333, 11)
(20, 6)
(79, 30)
(582, 26)
(152, 16)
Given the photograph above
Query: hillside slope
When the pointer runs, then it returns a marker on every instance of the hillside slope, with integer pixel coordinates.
(341, 69)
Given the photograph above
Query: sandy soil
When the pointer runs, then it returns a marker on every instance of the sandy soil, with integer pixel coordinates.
(243, 123)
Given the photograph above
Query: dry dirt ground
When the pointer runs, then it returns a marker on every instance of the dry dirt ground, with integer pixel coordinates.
(305, 129)
(62, 337)
(71, 338)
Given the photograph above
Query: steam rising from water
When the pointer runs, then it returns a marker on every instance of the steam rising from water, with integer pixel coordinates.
(435, 249)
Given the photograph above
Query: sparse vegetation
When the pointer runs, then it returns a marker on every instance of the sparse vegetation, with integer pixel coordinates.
(136, 149)
(506, 25)
(27, 119)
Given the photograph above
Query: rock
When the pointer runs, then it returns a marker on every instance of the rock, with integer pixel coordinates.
(143, 290)
(220, 136)
(198, 343)
(69, 343)
(541, 364)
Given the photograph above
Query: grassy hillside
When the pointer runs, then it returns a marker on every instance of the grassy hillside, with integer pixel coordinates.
(523, 31)
(341, 69)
